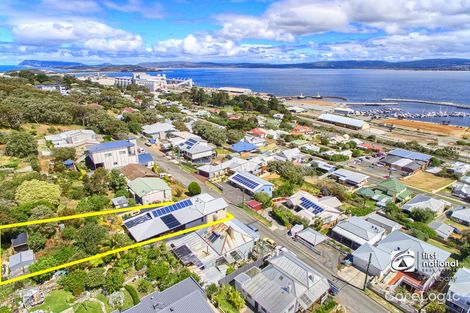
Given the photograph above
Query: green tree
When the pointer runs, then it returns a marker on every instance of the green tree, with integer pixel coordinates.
(93, 203)
(36, 190)
(264, 198)
(43, 212)
(234, 135)
(90, 237)
(194, 188)
(422, 215)
(97, 183)
(36, 241)
(95, 278)
(42, 263)
(117, 181)
(74, 282)
(144, 286)
(114, 280)
(435, 307)
(62, 154)
(156, 271)
(21, 144)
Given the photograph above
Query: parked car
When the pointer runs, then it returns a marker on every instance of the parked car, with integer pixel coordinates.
(253, 227)
(269, 241)
(333, 289)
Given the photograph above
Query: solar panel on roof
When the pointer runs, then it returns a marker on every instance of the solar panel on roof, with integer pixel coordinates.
(245, 181)
(171, 208)
(307, 204)
(170, 221)
(138, 220)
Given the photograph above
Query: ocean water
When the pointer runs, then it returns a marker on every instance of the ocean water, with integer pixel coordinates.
(354, 85)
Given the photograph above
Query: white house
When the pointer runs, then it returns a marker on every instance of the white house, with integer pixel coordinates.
(286, 285)
(148, 190)
(356, 231)
(157, 130)
(197, 151)
(461, 190)
(292, 155)
(423, 201)
(379, 260)
(459, 168)
(256, 141)
(113, 154)
(79, 139)
(351, 178)
(311, 207)
(461, 215)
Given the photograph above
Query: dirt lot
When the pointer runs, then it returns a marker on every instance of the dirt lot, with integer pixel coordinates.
(427, 181)
(448, 130)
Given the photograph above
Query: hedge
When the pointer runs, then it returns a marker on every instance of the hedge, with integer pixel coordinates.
(133, 293)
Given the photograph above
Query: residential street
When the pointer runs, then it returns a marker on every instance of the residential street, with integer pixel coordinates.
(352, 298)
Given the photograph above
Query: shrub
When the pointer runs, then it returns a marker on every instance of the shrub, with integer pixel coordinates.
(194, 189)
(133, 293)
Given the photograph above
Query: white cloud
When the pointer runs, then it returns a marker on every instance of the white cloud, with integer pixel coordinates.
(81, 33)
(396, 47)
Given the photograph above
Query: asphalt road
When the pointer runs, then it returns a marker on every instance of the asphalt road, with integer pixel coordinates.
(353, 299)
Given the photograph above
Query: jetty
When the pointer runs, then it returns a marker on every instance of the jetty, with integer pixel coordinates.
(443, 103)
(371, 103)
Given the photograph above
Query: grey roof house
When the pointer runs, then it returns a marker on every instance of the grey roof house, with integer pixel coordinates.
(379, 260)
(458, 294)
(425, 273)
(356, 231)
(423, 201)
(20, 242)
(18, 263)
(461, 215)
(286, 285)
(183, 214)
(184, 297)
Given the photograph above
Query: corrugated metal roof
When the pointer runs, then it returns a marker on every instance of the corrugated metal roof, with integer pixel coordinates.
(410, 154)
(111, 145)
(342, 120)
(186, 296)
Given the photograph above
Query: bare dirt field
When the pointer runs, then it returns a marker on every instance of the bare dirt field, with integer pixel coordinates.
(427, 181)
(448, 130)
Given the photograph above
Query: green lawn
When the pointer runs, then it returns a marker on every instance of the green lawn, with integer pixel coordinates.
(226, 306)
(88, 307)
(128, 302)
(56, 302)
(104, 299)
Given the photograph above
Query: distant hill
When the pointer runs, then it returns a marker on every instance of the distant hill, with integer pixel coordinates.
(428, 64)
(48, 64)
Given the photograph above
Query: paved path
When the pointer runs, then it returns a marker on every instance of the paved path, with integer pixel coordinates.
(353, 299)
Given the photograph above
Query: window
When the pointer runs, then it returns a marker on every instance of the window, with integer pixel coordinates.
(108, 155)
(122, 152)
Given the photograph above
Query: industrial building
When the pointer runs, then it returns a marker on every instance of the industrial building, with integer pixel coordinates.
(344, 121)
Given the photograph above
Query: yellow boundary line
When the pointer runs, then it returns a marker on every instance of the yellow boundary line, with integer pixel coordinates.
(101, 255)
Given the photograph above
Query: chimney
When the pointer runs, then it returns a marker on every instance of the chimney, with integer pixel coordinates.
(289, 288)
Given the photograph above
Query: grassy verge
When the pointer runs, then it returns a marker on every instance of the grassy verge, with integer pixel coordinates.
(104, 299)
(387, 305)
(213, 187)
(88, 307)
(255, 215)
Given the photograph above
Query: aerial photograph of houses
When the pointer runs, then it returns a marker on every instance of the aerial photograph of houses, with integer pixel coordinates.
(284, 156)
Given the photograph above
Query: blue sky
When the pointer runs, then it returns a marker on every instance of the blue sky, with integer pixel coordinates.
(286, 31)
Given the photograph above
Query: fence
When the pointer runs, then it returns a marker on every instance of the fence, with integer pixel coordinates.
(227, 279)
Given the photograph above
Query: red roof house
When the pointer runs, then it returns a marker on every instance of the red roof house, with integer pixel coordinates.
(258, 132)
